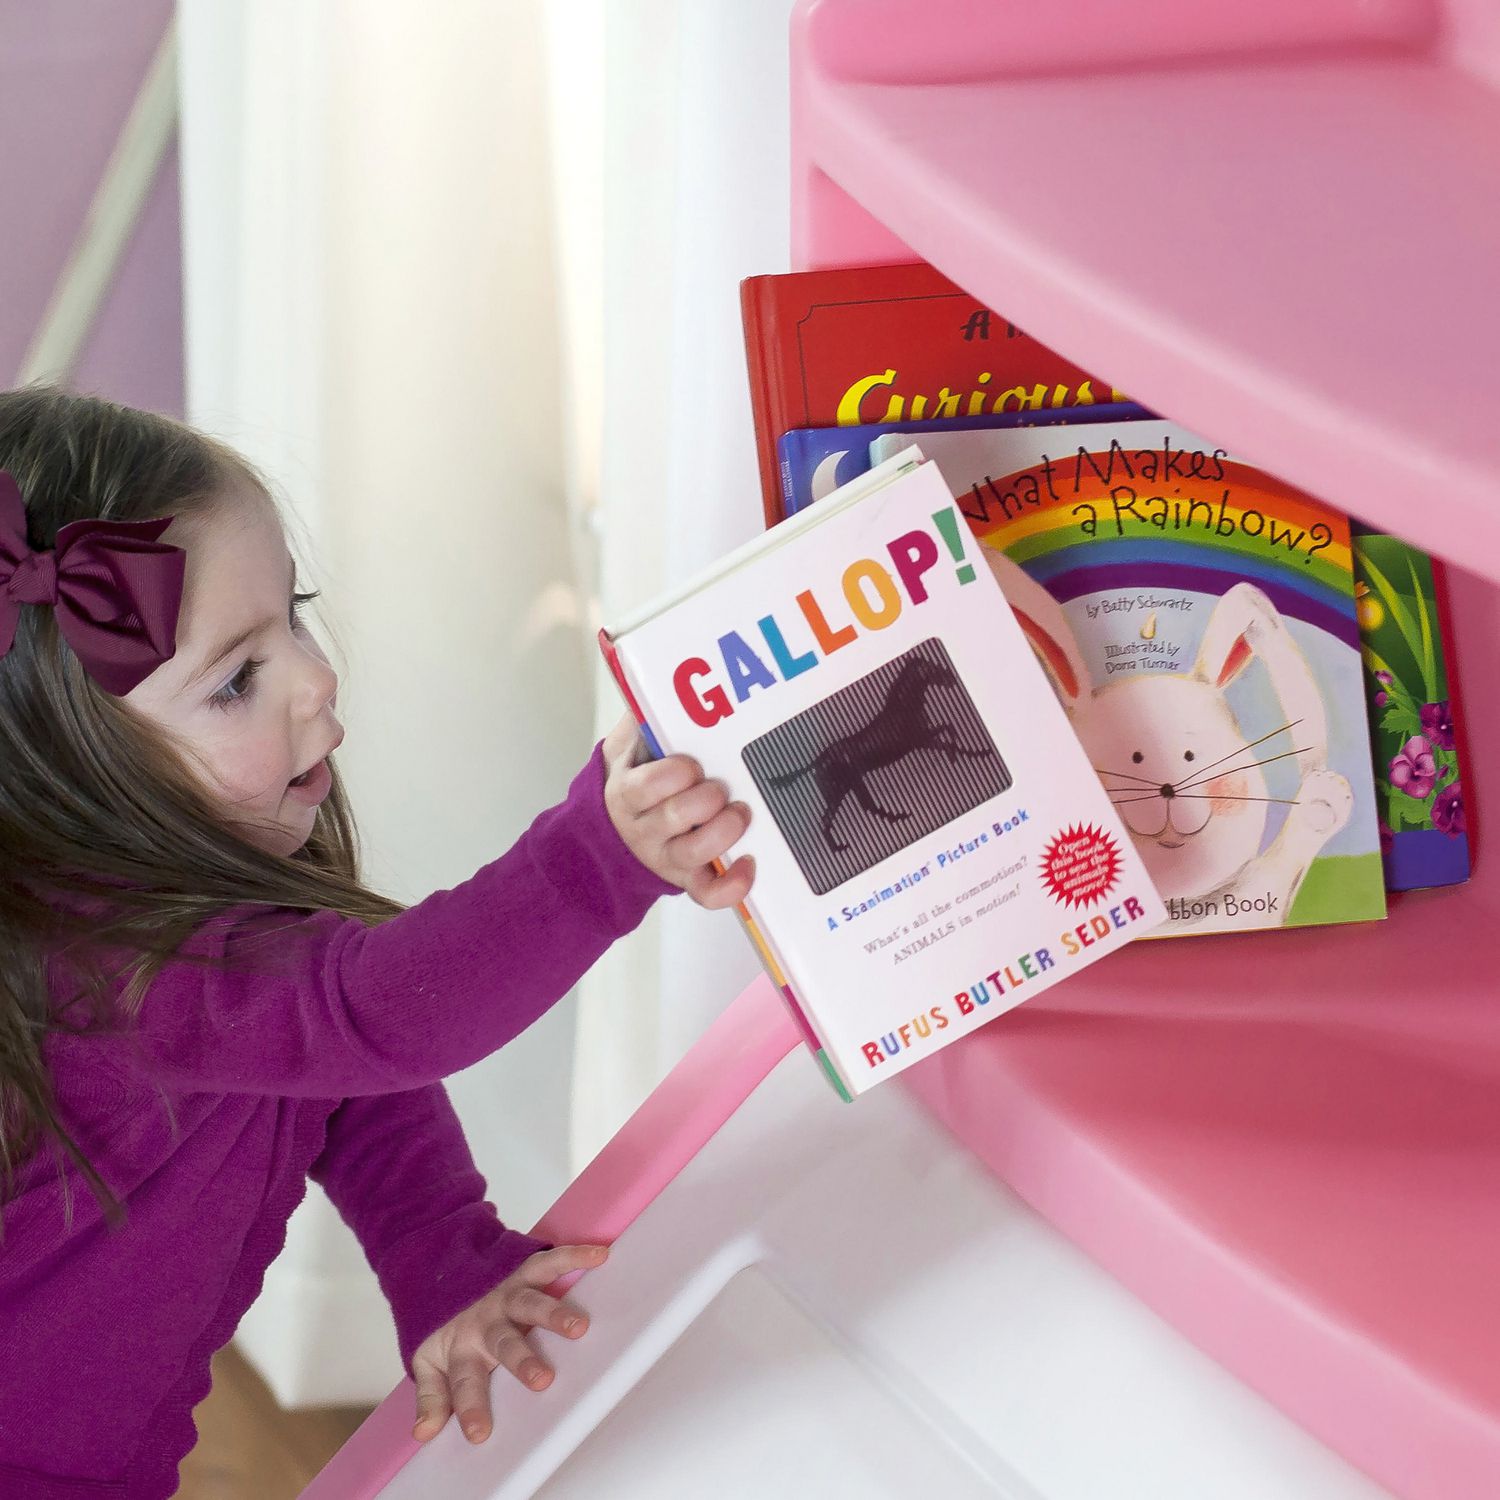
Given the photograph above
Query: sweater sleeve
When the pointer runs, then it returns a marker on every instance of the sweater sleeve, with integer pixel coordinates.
(323, 1006)
(398, 1169)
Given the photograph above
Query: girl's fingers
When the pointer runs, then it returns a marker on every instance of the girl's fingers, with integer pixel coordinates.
(469, 1391)
(536, 1309)
(619, 743)
(433, 1408)
(517, 1356)
(715, 892)
(543, 1268)
(641, 787)
(726, 828)
(679, 813)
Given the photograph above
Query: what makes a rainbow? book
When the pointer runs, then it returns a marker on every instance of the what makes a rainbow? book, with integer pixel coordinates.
(931, 844)
(1197, 618)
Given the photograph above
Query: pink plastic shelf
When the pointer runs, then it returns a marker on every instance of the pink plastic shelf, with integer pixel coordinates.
(1280, 225)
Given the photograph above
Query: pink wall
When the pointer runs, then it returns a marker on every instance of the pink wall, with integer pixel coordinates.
(69, 72)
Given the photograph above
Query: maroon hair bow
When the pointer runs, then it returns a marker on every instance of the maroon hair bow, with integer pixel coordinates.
(116, 590)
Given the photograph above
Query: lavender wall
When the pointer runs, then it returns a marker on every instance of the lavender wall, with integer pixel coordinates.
(69, 72)
(134, 352)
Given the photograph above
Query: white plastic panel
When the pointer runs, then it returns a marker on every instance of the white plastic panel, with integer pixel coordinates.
(834, 1300)
(757, 1389)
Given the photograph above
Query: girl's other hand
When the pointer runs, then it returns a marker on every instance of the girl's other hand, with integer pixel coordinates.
(674, 820)
(452, 1366)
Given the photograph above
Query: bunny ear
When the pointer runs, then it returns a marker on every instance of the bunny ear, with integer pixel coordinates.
(1043, 623)
(1226, 649)
(1245, 623)
(1235, 662)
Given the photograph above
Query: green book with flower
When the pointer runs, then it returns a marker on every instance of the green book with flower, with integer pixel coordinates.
(1419, 790)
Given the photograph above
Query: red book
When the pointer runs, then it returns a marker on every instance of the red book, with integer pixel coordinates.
(888, 344)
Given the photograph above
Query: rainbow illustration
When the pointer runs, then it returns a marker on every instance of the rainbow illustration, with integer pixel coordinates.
(1085, 534)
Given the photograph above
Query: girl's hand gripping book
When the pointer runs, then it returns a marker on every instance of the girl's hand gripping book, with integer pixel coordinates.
(931, 844)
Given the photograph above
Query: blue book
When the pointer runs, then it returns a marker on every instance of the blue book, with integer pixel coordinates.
(815, 461)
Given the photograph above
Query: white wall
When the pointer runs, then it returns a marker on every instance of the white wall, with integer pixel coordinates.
(695, 197)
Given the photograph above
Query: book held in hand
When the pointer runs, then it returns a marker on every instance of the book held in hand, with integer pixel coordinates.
(931, 844)
(1197, 618)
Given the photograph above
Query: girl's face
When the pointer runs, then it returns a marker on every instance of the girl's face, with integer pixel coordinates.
(249, 694)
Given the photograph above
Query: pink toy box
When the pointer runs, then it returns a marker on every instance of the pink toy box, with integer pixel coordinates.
(1277, 1154)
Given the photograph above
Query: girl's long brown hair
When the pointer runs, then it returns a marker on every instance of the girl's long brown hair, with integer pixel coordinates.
(97, 810)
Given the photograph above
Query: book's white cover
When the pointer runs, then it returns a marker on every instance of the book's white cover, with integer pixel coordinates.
(931, 845)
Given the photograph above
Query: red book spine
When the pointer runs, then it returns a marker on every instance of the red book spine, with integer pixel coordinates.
(767, 406)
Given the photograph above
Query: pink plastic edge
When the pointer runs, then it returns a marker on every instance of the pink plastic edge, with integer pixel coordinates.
(969, 40)
(681, 1116)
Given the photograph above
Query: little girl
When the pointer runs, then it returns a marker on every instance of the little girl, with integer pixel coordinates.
(200, 1004)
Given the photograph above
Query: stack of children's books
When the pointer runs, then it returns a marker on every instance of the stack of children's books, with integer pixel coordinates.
(1140, 546)
(1021, 672)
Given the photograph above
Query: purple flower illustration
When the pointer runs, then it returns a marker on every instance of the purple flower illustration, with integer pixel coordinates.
(1380, 698)
(1384, 677)
(1448, 810)
(1437, 723)
(1413, 769)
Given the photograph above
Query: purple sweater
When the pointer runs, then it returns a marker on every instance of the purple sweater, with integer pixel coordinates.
(234, 1089)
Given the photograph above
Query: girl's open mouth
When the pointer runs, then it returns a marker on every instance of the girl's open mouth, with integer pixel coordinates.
(313, 785)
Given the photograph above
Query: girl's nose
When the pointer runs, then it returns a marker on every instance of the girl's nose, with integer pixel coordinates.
(319, 683)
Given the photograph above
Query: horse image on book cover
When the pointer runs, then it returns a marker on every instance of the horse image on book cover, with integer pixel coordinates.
(876, 766)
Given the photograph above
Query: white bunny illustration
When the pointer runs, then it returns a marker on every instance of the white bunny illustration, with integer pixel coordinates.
(1183, 773)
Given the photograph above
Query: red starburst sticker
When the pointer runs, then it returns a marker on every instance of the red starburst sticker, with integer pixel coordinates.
(1081, 865)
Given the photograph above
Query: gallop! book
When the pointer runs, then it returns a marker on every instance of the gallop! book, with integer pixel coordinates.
(1197, 618)
(931, 844)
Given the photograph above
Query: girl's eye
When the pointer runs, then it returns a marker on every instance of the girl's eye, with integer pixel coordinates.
(298, 600)
(238, 686)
